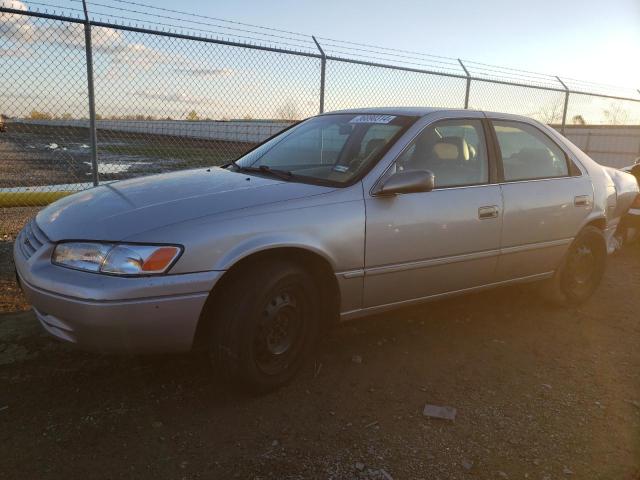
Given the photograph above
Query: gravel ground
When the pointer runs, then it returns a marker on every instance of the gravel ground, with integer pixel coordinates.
(540, 393)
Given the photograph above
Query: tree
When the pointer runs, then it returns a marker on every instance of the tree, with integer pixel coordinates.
(192, 116)
(37, 115)
(289, 111)
(578, 120)
(550, 113)
(616, 114)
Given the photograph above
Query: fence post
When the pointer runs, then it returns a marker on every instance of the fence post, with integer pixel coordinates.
(566, 104)
(93, 137)
(323, 66)
(466, 94)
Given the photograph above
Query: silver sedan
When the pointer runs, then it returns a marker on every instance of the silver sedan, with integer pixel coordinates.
(342, 215)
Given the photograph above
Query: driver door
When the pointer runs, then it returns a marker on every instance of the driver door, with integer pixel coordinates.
(427, 244)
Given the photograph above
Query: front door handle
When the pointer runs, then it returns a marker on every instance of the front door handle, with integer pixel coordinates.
(581, 201)
(490, 211)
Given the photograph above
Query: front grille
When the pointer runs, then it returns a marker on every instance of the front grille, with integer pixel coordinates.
(30, 239)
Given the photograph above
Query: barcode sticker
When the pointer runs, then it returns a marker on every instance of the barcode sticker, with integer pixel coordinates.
(372, 119)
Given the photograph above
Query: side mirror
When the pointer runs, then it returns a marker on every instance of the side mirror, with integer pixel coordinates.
(411, 181)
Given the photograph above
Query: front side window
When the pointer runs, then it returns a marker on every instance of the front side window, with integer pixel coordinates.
(454, 150)
(329, 148)
(528, 154)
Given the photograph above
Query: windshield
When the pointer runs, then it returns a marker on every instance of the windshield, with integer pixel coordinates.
(330, 148)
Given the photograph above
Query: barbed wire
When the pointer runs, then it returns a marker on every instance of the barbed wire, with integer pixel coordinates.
(219, 35)
(302, 42)
(194, 22)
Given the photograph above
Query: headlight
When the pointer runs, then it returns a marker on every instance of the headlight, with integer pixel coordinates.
(116, 258)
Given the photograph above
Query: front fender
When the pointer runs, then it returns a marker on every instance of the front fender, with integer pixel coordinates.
(262, 243)
(332, 226)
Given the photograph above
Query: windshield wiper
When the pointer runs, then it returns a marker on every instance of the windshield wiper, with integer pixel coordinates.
(236, 165)
(282, 174)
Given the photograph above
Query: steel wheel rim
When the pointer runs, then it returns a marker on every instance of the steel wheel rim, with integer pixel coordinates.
(280, 332)
(581, 269)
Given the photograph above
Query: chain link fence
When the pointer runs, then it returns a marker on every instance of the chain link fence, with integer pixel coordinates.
(169, 100)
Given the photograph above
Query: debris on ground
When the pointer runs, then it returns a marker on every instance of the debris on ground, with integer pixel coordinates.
(359, 466)
(437, 411)
(635, 403)
(356, 359)
(467, 464)
(385, 474)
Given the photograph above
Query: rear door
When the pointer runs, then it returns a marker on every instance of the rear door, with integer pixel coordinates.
(546, 198)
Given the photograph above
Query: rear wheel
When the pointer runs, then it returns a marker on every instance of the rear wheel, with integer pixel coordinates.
(581, 270)
(266, 325)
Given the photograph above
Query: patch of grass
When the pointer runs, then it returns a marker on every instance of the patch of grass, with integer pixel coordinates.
(28, 199)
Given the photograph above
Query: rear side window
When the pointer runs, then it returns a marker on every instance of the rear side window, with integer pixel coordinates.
(528, 154)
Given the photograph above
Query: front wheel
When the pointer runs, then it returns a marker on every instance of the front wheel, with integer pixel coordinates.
(266, 325)
(581, 270)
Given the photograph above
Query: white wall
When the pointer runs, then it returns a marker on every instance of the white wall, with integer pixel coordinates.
(614, 146)
(232, 131)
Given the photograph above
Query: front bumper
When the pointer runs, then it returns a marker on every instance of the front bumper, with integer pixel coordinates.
(113, 314)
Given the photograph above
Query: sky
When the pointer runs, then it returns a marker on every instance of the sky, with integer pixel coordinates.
(594, 40)
(149, 75)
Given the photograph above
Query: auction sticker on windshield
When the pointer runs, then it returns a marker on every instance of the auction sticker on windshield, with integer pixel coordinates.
(372, 119)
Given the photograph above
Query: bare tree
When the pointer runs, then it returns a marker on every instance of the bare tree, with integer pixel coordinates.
(550, 113)
(616, 114)
(289, 111)
(37, 115)
(192, 116)
(578, 120)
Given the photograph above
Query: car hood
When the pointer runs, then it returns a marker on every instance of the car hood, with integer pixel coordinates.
(122, 209)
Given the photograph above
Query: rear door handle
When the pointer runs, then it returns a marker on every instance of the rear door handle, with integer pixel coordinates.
(490, 211)
(581, 201)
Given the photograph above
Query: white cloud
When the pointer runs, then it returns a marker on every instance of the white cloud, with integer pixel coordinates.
(24, 34)
(207, 72)
(174, 97)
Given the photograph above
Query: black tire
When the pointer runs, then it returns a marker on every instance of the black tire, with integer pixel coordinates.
(581, 270)
(266, 325)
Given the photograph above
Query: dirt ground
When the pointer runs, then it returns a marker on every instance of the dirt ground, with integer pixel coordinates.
(540, 393)
(11, 222)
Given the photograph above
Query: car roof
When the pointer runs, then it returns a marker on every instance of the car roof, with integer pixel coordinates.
(422, 111)
(411, 111)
